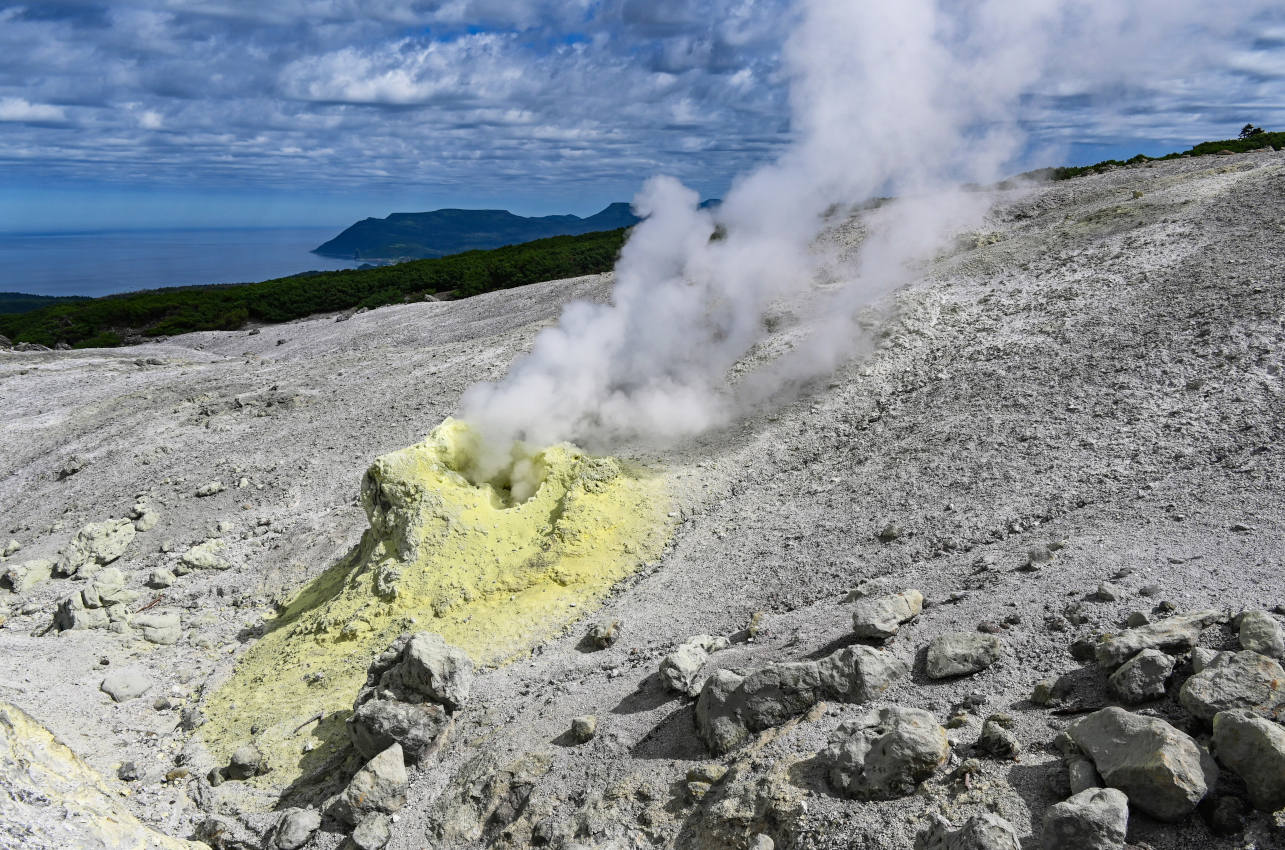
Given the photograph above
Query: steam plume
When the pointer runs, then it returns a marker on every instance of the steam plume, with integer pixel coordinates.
(908, 99)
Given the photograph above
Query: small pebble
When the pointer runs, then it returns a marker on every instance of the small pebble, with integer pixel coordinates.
(584, 727)
(1084, 649)
(1107, 592)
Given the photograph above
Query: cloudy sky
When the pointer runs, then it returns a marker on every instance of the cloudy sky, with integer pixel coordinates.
(228, 112)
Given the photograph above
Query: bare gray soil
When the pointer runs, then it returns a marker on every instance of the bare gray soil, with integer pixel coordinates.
(1101, 367)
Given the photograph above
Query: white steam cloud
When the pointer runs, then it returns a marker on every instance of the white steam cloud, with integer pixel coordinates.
(907, 99)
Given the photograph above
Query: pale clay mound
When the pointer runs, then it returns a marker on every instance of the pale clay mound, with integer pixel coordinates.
(1094, 368)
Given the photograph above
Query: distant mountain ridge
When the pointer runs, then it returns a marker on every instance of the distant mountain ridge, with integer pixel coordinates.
(449, 231)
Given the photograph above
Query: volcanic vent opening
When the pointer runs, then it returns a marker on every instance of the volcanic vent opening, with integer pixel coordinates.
(514, 473)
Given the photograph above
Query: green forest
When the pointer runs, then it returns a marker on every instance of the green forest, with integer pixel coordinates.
(119, 319)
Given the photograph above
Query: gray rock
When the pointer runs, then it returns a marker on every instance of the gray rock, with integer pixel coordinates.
(159, 627)
(680, 669)
(72, 614)
(1202, 656)
(107, 588)
(732, 707)
(858, 673)
(885, 753)
(377, 724)
(604, 634)
(1161, 770)
(1229, 680)
(762, 842)
(960, 654)
(1050, 691)
(881, 616)
(10, 547)
(1096, 819)
(380, 786)
(95, 545)
(1081, 775)
(22, 577)
(205, 556)
(1142, 677)
(410, 690)
(1039, 557)
(718, 711)
(294, 829)
(890, 532)
(1259, 632)
(126, 684)
(1174, 635)
(191, 719)
(997, 741)
(1107, 592)
(422, 667)
(986, 831)
(372, 833)
(71, 466)
(145, 515)
(210, 489)
(226, 833)
(583, 728)
(1253, 748)
(160, 578)
(247, 761)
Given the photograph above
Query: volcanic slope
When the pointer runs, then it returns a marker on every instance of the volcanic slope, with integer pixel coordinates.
(1098, 368)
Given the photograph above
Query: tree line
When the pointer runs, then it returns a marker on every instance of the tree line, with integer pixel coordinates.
(131, 317)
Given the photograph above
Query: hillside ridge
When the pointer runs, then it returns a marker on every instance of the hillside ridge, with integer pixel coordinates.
(438, 233)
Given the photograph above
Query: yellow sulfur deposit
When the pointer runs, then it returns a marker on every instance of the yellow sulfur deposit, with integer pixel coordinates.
(494, 567)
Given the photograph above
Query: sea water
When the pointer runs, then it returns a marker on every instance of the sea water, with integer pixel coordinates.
(103, 262)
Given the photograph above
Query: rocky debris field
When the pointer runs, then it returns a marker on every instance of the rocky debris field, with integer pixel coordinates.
(1012, 579)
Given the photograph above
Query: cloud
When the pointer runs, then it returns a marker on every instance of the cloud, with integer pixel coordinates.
(504, 96)
(19, 109)
(479, 69)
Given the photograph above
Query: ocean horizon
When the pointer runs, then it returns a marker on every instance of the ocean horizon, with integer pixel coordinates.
(105, 262)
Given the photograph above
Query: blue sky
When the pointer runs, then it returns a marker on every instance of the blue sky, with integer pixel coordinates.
(145, 113)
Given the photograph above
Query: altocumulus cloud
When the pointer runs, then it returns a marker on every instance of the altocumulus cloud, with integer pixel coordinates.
(487, 94)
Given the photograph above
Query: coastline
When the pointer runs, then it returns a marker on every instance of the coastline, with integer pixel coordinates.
(109, 262)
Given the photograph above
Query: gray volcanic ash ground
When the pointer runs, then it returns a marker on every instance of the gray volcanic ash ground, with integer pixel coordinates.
(1087, 391)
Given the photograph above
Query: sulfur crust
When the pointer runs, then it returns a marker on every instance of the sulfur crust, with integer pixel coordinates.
(491, 574)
